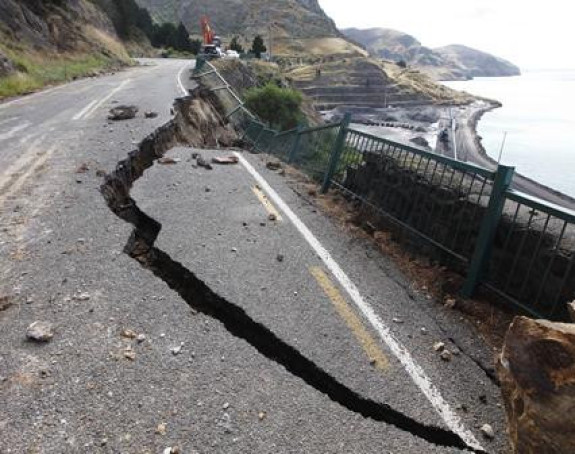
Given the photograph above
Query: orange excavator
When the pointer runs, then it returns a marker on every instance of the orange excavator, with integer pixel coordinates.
(212, 43)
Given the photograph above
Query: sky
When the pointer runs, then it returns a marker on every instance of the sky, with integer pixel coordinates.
(532, 34)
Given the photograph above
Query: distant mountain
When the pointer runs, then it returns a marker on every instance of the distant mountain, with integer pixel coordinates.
(293, 18)
(477, 63)
(454, 62)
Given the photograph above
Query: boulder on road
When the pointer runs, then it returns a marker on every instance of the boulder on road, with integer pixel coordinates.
(537, 372)
(123, 113)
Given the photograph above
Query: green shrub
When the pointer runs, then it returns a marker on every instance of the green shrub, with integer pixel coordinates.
(279, 107)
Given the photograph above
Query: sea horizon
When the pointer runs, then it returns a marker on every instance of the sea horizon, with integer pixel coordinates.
(536, 120)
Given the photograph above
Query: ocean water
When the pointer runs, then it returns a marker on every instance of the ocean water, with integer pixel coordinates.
(538, 115)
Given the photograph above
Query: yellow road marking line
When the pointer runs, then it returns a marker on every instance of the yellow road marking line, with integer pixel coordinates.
(369, 345)
(270, 208)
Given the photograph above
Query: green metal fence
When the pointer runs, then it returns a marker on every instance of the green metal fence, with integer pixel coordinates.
(517, 246)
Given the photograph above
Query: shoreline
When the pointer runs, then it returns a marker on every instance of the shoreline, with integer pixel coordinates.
(520, 182)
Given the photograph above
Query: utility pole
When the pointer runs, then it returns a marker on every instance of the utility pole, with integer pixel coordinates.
(502, 146)
(453, 133)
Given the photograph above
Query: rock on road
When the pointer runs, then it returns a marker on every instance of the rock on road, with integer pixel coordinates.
(131, 367)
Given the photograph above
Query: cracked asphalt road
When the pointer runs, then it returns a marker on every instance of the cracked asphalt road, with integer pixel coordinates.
(82, 392)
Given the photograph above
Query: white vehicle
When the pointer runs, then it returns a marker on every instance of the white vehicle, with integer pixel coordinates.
(232, 54)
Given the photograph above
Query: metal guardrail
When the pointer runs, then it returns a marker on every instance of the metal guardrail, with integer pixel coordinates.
(515, 245)
(533, 258)
(209, 77)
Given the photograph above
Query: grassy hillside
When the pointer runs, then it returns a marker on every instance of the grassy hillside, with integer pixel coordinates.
(44, 42)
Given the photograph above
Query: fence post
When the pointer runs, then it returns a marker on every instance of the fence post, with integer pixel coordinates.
(200, 62)
(336, 153)
(489, 224)
(263, 127)
(295, 145)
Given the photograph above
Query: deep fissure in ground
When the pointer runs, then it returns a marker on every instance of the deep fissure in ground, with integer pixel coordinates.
(189, 128)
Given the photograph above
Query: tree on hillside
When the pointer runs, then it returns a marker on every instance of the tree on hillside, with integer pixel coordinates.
(165, 35)
(258, 47)
(235, 45)
(182, 39)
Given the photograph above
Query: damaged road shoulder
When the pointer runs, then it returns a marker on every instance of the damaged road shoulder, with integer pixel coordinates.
(193, 125)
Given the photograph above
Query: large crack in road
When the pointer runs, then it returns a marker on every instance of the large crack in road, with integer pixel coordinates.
(198, 295)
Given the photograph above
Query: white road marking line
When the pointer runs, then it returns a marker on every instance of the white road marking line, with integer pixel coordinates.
(180, 84)
(417, 374)
(12, 132)
(91, 111)
(9, 120)
(12, 173)
(17, 185)
(84, 110)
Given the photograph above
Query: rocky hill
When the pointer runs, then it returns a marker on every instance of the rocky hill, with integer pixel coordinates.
(294, 26)
(454, 62)
(294, 18)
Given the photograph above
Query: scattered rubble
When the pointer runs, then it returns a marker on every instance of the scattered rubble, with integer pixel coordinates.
(446, 355)
(280, 258)
(274, 165)
(225, 160)
(129, 353)
(128, 334)
(261, 415)
(203, 163)
(40, 331)
(81, 296)
(5, 302)
(168, 160)
(439, 346)
(82, 168)
(487, 431)
(449, 303)
(140, 338)
(272, 217)
(177, 350)
(161, 429)
(171, 450)
(150, 114)
(123, 112)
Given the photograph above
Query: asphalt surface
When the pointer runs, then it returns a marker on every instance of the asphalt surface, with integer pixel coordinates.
(92, 390)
